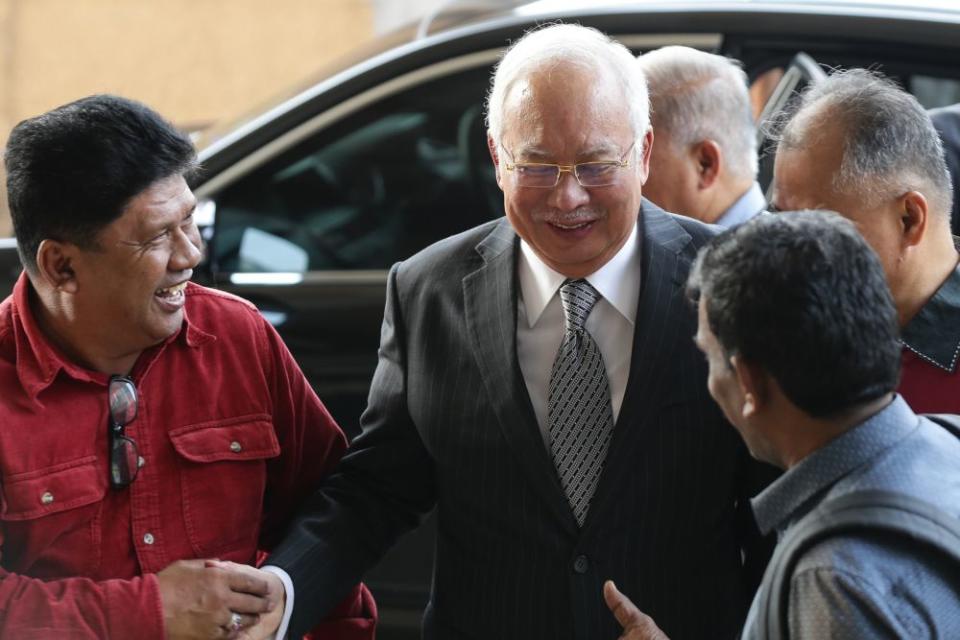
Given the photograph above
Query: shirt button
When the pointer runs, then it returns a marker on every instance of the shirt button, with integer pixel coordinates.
(46, 498)
(140, 462)
(148, 538)
(235, 447)
(581, 564)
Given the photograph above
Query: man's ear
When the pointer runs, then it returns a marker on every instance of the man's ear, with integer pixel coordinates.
(752, 380)
(643, 158)
(55, 261)
(495, 156)
(914, 217)
(709, 159)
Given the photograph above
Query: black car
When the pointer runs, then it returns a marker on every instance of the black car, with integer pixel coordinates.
(305, 206)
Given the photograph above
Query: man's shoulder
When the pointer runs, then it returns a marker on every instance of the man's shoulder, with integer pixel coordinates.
(459, 254)
(464, 242)
(217, 312)
(922, 465)
(665, 226)
(922, 468)
(700, 232)
(216, 301)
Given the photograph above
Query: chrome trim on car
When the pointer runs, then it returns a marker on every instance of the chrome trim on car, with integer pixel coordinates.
(316, 278)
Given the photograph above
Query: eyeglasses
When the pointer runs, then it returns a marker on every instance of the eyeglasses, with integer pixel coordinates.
(124, 456)
(542, 175)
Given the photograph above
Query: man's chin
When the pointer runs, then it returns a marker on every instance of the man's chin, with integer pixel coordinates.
(166, 327)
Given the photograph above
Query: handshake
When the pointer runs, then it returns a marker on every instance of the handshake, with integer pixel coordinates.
(205, 599)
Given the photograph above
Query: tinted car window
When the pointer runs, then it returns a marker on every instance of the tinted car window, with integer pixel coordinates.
(374, 188)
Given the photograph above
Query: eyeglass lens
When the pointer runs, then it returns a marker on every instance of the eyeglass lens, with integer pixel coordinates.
(589, 174)
(124, 461)
(124, 456)
(123, 401)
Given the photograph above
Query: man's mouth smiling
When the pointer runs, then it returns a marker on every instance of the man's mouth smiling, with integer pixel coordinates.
(172, 297)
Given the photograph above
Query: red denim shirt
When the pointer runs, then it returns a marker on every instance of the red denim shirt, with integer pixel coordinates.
(232, 437)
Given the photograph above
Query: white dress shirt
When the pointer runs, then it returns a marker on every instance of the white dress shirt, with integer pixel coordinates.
(540, 322)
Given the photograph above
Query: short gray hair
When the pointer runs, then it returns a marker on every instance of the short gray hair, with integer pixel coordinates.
(890, 145)
(572, 45)
(699, 96)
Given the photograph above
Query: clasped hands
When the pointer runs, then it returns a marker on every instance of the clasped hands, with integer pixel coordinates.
(210, 599)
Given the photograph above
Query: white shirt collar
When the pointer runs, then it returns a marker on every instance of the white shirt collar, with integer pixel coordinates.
(618, 281)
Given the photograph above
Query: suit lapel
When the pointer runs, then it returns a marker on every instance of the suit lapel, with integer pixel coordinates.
(490, 299)
(655, 335)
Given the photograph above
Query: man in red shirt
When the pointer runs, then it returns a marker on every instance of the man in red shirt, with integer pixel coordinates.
(863, 147)
(146, 423)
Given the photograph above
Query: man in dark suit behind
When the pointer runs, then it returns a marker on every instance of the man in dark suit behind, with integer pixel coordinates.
(557, 451)
(947, 122)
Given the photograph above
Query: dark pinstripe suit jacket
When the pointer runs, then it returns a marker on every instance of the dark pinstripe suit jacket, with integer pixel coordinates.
(449, 423)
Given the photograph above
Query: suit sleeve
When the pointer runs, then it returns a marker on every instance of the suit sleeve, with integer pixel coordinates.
(383, 487)
(311, 445)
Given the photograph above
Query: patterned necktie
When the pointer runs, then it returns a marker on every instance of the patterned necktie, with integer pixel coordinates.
(579, 413)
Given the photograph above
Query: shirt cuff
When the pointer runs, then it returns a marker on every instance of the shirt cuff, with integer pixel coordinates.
(288, 605)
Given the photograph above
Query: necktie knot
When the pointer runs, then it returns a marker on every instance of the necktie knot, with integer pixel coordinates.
(578, 298)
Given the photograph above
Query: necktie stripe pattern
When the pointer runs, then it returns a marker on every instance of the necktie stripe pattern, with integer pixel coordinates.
(579, 412)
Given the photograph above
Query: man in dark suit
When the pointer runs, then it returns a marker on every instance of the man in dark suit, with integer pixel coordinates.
(537, 385)
(946, 120)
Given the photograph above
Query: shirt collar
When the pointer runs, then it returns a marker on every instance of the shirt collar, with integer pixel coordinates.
(748, 205)
(39, 360)
(934, 333)
(793, 494)
(618, 281)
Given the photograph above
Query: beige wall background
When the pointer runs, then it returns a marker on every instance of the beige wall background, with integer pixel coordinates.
(195, 61)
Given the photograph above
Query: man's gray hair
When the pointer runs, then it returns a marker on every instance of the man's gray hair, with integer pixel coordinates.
(699, 96)
(890, 145)
(569, 45)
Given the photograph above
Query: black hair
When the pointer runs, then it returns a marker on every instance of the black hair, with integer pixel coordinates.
(802, 295)
(72, 170)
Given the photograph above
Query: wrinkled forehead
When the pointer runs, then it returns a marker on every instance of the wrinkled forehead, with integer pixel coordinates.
(570, 102)
(166, 201)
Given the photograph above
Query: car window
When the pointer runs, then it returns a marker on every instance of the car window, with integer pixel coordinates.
(369, 190)
(934, 92)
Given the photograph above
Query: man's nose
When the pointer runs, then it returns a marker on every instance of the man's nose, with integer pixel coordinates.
(568, 194)
(187, 251)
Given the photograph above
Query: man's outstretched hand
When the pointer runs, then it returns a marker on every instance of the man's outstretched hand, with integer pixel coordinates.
(199, 601)
(636, 624)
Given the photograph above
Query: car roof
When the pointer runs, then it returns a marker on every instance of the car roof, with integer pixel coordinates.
(475, 20)
(456, 16)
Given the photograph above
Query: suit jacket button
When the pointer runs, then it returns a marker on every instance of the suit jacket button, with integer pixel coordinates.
(581, 564)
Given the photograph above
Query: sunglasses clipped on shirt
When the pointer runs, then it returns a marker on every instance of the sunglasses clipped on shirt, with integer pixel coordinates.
(124, 455)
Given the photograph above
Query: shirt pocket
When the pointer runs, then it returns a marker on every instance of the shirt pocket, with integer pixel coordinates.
(51, 519)
(223, 479)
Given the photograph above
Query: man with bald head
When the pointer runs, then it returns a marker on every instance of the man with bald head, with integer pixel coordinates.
(704, 162)
(537, 386)
(862, 146)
